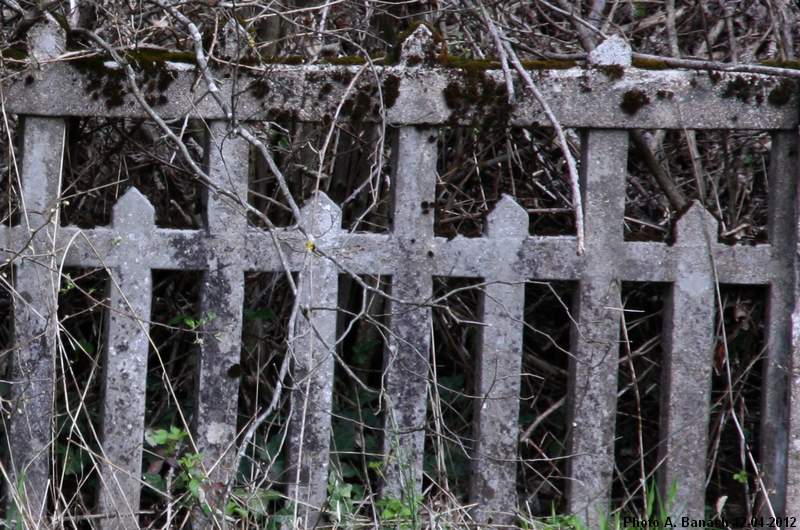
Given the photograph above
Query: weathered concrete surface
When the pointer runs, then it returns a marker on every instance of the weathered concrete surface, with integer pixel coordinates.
(793, 428)
(493, 488)
(407, 360)
(686, 368)
(35, 314)
(551, 257)
(125, 372)
(774, 450)
(614, 51)
(221, 302)
(418, 47)
(793, 458)
(592, 397)
(666, 98)
(35, 303)
(46, 39)
(313, 363)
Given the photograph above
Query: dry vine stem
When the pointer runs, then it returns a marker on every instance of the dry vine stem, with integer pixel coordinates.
(506, 51)
(720, 307)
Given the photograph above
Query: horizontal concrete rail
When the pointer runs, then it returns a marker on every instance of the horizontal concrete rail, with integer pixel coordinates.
(580, 97)
(552, 258)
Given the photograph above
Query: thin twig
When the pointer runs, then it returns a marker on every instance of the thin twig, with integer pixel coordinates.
(501, 50)
(505, 50)
(574, 179)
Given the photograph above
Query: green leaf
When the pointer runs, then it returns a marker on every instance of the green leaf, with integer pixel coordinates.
(194, 487)
(155, 481)
(70, 285)
(344, 491)
(177, 434)
(156, 437)
(185, 320)
(232, 508)
(740, 476)
(174, 321)
(396, 509)
(191, 463)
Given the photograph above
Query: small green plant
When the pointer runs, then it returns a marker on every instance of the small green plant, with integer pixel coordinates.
(248, 504)
(341, 499)
(554, 522)
(69, 284)
(655, 508)
(403, 512)
(400, 513)
(192, 323)
(170, 440)
(191, 476)
(740, 476)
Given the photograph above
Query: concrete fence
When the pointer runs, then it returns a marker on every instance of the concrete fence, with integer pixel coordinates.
(417, 99)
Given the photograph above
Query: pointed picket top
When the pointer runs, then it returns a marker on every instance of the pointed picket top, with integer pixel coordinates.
(320, 215)
(133, 211)
(417, 46)
(234, 38)
(614, 51)
(46, 39)
(507, 219)
(693, 225)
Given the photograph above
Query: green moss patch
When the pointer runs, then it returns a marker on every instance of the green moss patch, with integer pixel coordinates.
(482, 65)
(348, 60)
(612, 71)
(633, 100)
(650, 64)
(740, 87)
(782, 93)
(778, 63)
(391, 90)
